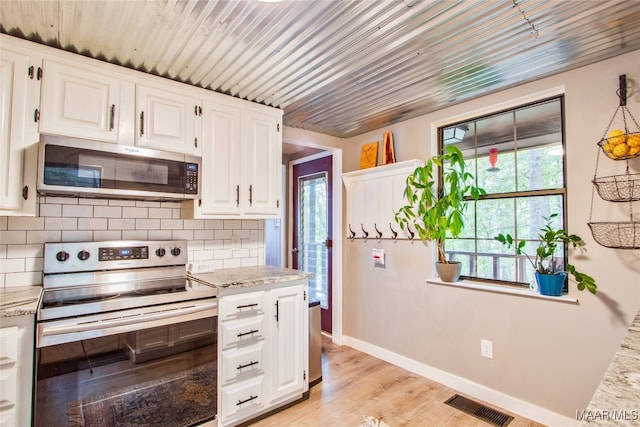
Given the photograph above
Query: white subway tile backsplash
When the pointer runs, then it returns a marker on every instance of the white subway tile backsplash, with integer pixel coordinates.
(135, 235)
(105, 235)
(24, 251)
(159, 234)
(50, 209)
(121, 224)
(135, 212)
(84, 211)
(25, 223)
(107, 212)
(13, 237)
(56, 223)
(92, 223)
(44, 236)
(77, 236)
(164, 213)
(147, 224)
(73, 219)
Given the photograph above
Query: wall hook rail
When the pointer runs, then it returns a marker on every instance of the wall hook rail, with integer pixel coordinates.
(365, 232)
(394, 233)
(378, 232)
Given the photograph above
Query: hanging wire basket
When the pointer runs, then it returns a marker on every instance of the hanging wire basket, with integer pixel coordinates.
(619, 188)
(621, 146)
(616, 235)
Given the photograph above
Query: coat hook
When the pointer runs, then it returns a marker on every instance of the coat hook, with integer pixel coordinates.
(622, 89)
(394, 233)
(378, 232)
(411, 233)
(352, 234)
(366, 234)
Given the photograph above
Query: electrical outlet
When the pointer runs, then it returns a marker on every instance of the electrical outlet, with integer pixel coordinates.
(236, 243)
(486, 349)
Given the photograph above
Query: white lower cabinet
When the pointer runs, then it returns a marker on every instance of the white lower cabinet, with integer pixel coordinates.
(262, 345)
(16, 370)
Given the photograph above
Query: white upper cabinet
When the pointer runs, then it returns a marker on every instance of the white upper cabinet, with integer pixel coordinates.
(168, 119)
(261, 157)
(80, 101)
(241, 159)
(18, 130)
(221, 158)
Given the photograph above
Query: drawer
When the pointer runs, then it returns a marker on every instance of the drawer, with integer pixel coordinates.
(242, 363)
(241, 332)
(9, 344)
(243, 399)
(7, 414)
(9, 385)
(241, 305)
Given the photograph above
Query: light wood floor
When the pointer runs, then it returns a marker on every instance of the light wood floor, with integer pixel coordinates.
(355, 385)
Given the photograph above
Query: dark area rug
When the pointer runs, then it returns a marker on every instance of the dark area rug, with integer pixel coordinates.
(180, 400)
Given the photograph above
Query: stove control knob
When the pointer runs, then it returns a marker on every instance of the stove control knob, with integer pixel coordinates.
(160, 252)
(175, 251)
(83, 255)
(62, 256)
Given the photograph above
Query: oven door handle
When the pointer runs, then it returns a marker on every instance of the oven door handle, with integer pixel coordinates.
(135, 319)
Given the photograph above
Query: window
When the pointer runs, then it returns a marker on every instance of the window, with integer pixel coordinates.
(518, 157)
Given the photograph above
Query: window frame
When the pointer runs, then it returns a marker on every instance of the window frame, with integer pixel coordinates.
(512, 195)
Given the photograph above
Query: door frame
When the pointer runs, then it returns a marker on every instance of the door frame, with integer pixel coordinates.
(336, 276)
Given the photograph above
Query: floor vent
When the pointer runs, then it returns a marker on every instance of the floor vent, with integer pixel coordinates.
(479, 411)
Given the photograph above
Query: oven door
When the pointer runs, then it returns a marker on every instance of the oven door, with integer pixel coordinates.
(151, 366)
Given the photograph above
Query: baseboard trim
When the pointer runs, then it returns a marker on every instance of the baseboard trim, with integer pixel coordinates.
(478, 391)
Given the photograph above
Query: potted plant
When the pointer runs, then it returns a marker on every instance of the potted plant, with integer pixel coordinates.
(437, 214)
(549, 277)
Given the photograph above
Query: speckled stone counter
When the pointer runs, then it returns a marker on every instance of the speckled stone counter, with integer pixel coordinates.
(617, 400)
(19, 301)
(249, 276)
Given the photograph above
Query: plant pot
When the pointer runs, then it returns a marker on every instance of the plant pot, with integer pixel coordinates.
(449, 272)
(551, 284)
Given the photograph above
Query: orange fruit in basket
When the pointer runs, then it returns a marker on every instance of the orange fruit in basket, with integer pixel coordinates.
(633, 151)
(620, 150)
(633, 140)
(606, 147)
(616, 137)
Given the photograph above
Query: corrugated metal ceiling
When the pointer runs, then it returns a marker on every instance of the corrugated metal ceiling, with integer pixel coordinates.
(341, 68)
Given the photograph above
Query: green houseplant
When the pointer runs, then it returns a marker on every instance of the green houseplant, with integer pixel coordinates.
(549, 278)
(437, 214)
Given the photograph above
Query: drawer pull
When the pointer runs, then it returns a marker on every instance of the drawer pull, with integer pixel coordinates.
(248, 365)
(240, 402)
(240, 307)
(251, 332)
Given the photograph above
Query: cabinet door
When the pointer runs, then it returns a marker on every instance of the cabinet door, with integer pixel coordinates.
(221, 159)
(79, 101)
(167, 120)
(13, 102)
(261, 159)
(289, 339)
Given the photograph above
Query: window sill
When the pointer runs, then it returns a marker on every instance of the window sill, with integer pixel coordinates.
(488, 287)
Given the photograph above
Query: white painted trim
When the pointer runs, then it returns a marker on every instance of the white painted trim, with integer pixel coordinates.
(463, 385)
(311, 157)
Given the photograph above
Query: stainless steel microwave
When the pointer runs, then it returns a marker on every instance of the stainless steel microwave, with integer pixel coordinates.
(82, 168)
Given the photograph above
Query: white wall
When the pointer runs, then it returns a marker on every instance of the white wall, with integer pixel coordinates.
(72, 219)
(549, 357)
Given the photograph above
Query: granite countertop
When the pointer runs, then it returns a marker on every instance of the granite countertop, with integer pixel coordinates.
(619, 392)
(18, 301)
(249, 276)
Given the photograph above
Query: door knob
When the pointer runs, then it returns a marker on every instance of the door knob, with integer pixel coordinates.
(294, 250)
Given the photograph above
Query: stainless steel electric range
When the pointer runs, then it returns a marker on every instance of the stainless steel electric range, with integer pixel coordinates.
(119, 317)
